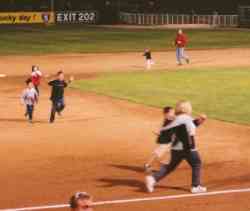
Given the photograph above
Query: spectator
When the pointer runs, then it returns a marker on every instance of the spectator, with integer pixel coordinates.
(81, 201)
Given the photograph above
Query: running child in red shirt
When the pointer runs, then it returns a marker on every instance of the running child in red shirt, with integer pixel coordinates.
(36, 76)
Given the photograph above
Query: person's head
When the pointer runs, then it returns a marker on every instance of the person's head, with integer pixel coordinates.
(180, 31)
(147, 50)
(81, 201)
(168, 113)
(60, 75)
(34, 68)
(29, 83)
(183, 107)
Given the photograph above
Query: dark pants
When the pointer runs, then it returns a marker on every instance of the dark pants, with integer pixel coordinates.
(57, 106)
(193, 159)
(29, 111)
(37, 89)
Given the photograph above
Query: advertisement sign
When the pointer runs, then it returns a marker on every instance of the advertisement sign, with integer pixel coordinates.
(83, 17)
(26, 17)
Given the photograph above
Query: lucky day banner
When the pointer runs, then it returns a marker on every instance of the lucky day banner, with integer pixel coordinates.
(26, 17)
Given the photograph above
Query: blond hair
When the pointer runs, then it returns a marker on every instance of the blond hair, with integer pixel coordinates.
(183, 107)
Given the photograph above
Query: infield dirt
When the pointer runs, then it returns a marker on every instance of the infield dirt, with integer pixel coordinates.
(100, 144)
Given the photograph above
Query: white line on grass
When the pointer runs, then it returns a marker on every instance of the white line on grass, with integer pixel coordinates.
(214, 193)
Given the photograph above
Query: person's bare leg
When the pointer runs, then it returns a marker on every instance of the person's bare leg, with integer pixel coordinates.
(150, 162)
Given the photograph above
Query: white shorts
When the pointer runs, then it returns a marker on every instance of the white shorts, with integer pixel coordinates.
(161, 150)
(150, 62)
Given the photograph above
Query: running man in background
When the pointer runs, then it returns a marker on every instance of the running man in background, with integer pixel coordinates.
(36, 76)
(81, 201)
(148, 56)
(57, 95)
(29, 98)
(180, 44)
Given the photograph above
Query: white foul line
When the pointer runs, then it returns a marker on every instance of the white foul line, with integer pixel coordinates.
(214, 193)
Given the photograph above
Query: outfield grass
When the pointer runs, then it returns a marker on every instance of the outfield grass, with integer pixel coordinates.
(82, 39)
(222, 94)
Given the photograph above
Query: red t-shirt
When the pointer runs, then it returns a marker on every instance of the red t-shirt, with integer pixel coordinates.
(36, 78)
(181, 40)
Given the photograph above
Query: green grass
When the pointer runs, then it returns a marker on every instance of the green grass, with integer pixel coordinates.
(81, 39)
(222, 94)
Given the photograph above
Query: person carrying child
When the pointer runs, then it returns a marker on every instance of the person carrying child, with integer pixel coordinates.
(181, 150)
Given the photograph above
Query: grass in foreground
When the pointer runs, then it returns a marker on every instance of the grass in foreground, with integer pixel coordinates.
(221, 94)
(37, 39)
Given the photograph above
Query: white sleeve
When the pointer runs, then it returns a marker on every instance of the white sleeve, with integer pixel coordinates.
(191, 128)
(171, 125)
(38, 72)
(188, 122)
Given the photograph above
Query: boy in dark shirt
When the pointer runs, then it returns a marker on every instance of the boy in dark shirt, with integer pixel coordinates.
(148, 56)
(57, 95)
(162, 149)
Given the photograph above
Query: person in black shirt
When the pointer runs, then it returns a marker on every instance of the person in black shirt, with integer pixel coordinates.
(57, 95)
(148, 56)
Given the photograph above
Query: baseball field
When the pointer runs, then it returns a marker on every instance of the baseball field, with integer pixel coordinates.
(105, 135)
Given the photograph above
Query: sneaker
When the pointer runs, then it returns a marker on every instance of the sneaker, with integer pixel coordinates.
(150, 183)
(198, 189)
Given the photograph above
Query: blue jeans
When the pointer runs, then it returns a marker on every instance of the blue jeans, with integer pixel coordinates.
(57, 106)
(29, 111)
(193, 159)
(180, 54)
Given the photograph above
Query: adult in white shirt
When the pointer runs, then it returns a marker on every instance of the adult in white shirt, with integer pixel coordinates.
(179, 153)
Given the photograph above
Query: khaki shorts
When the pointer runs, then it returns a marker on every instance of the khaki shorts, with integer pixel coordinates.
(161, 150)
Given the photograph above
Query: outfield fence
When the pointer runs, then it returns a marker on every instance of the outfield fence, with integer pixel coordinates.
(172, 19)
